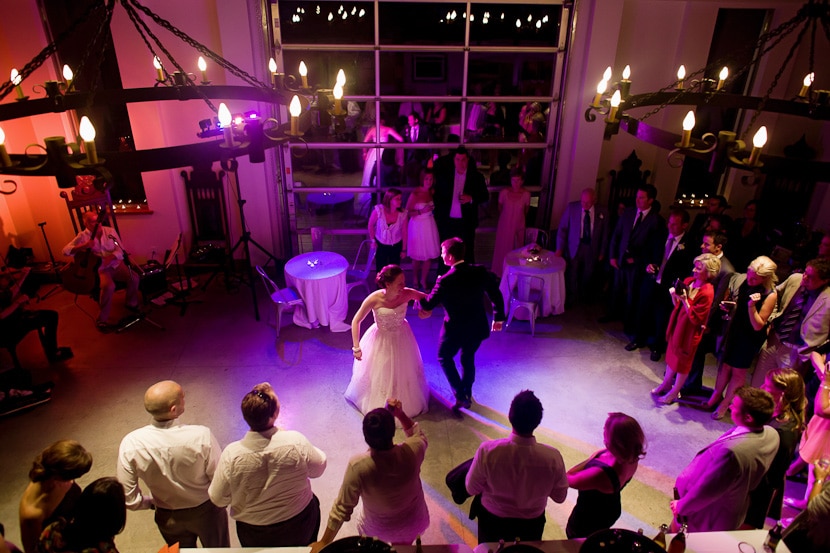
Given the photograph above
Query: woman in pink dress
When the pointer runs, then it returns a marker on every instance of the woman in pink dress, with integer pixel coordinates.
(688, 321)
(510, 232)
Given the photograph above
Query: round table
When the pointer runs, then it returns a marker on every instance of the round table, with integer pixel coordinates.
(549, 267)
(320, 279)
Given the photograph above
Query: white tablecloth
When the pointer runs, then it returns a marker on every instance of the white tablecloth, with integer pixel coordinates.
(550, 269)
(320, 278)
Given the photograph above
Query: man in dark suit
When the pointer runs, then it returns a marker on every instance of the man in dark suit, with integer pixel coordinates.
(415, 160)
(636, 243)
(582, 239)
(459, 190)
(713, 242)
(461, 291)
(714, 488)
(716, 207)
(678, 259)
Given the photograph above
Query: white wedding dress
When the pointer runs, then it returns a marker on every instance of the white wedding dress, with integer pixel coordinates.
(391, 366)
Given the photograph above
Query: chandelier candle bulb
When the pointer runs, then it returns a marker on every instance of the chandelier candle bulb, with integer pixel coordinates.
(16, 79)
(338, 99)
(88, 136)
(758, 142)
(724, 73)
(68, 75)
(294, 109)
(341, 78)
(606, 75)
(688, 125)
(603, 84)
(5, 160)
(304, 74)
(615, 105)
(805, 86)
(681, 76)
(159, 70)
(225, 120)
(203, 68)
(625, 83)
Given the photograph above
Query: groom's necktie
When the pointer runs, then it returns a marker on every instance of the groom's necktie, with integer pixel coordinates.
(586, 227)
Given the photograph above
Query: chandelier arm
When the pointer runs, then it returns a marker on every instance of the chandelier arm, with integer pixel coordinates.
(187, 39)
(47, 51)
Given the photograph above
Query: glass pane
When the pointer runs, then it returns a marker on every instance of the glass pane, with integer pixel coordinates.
(330, 168)
(494, 74)
(421, 74)
(439, 23)
(359, 68)
(325, 22)
(515, 25)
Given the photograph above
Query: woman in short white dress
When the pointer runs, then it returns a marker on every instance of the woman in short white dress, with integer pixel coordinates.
(424, 245)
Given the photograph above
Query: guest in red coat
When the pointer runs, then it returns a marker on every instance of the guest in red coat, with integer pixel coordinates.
(692, 302)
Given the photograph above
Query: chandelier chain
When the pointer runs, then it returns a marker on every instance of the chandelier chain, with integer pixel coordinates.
(98, 44)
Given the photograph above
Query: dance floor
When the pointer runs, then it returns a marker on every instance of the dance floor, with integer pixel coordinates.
(217, 351)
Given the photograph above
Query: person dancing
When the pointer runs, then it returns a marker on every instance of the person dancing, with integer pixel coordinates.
(387, 360)
(688, 321)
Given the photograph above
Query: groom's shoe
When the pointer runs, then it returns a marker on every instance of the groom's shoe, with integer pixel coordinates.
(456, 408)
(467, 402)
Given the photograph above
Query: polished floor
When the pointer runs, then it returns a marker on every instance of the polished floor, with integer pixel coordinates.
(217, 351)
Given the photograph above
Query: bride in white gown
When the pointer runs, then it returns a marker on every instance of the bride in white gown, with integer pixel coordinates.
(387, 361)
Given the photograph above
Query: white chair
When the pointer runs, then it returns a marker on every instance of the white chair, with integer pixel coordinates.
(527, 292)
(360, 276)
(317, 234)
(536, 235)
(286, 298)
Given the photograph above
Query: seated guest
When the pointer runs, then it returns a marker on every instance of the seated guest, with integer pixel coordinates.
(387, 479)
(601, 478)
(264, 478)
(714, 488)
(52, 492)
(100, 515)
(515, 477)
(810, 531)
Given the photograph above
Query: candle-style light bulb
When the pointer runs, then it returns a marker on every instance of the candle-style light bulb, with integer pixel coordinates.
(203, 68)
(603, 84)
(294, 109)
(5, 160)
(159, 70)
(758, 142)
(272, 65)
(615, 105)
(724, 73)
(688, 125)
(68, 75)
(88, 136)
(337, 92)
(225, 120)
(626, 74)
(805, 85)
(681, 75)
(304, 74)
(341, 78)
(606, 75)
(16, 80)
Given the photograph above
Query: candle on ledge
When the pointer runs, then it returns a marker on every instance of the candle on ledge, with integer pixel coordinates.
(16, 79)
(625, 83)
(304, 74)
(688, 125)
(805, 88)
(68, 75)
(5, 160)
(225, 120)
(681, 75)
(615, 105)
(88, 136)
(294, 109)
(724, 73)
(159, 70)
(603, 84)
(758, 142)
(203, 68)
(338, 99)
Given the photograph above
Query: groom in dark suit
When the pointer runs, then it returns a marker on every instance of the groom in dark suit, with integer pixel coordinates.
(461, 291)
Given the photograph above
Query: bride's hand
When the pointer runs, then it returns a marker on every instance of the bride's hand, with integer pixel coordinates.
(358, 355)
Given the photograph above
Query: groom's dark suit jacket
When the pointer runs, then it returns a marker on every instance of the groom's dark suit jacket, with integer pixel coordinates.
(461, 291)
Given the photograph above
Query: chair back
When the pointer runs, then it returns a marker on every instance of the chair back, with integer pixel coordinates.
(368, 248)
(536, 235)
(527, 289)
(270, 285)
(83, 199)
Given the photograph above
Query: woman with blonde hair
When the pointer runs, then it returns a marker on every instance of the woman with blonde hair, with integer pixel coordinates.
(751, 308)
(602, 476)
(692, 302)
(787, 389)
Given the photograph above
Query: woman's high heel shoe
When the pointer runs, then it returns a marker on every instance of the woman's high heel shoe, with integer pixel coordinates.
(659, 390)
(668, 399)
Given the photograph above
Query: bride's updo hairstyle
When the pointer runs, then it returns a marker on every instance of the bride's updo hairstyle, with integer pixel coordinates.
(387, 275)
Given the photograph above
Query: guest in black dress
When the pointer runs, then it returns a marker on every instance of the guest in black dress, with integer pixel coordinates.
(749, 312)
(602, 476)
(787, 389)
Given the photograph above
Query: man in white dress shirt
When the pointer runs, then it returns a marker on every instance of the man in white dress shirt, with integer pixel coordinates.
(264, 477)
(176, 463)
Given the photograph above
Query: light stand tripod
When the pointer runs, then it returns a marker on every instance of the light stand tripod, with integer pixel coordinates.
(55, 267)
(184, 288)
(141, 315)
(230, 166)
